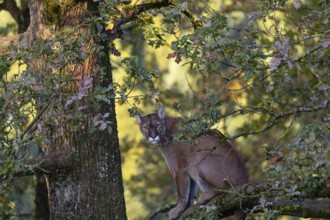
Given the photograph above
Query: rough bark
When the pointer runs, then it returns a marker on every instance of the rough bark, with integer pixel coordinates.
(85, 181)
(93, 189)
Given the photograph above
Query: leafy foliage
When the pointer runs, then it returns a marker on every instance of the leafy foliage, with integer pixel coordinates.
(309, 151)
(267, 70)
(265, 73)
(38, 95)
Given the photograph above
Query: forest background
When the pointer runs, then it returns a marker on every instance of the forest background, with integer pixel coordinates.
(261, 78)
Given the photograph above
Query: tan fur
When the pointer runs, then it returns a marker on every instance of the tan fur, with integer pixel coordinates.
(209, 164)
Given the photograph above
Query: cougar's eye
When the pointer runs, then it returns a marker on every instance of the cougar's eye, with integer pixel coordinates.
(145, 127)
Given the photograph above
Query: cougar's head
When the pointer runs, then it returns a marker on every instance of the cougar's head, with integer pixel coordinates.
(153, 126)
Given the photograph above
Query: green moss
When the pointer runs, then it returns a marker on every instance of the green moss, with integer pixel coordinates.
(53, 12)
(288, 208)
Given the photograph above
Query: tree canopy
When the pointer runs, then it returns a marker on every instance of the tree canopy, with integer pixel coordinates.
(257, 70)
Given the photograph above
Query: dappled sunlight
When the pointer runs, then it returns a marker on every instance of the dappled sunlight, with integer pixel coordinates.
(257, 71)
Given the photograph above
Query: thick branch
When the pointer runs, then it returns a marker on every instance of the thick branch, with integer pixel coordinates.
(147, 6)
(21, 16)
(50, 164)
(140, 8)
(5, 42)
(12, 8)
(306, 209)
(249, 199)
(116, 31)
(22, 40)
(36, 27)
(154, 5)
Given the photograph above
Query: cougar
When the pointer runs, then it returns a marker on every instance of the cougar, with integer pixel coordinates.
(210, 163)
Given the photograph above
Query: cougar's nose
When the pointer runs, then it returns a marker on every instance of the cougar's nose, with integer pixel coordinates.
(153, 134)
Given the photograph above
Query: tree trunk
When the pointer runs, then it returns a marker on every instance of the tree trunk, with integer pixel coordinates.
(41, 200)
(92, 187)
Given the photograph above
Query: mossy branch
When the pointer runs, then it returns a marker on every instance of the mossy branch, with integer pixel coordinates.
(57, 162)
(140, 8)
(259, 197)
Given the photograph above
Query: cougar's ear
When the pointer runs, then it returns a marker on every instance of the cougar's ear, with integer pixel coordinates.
(161, 113)
(138, 119)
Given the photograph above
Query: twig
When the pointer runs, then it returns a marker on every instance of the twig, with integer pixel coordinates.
(279, 116)
(35, 119)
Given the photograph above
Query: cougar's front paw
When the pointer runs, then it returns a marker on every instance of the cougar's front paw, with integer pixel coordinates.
(176, 212)
(205, 197)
